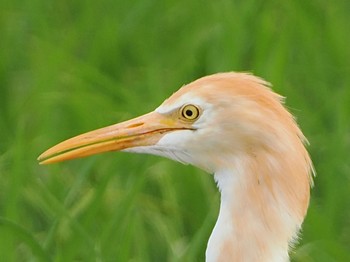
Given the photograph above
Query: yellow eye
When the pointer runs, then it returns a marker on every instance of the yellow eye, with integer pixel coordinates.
(190, 112)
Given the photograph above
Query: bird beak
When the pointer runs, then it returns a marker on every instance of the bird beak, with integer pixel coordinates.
(145, 130)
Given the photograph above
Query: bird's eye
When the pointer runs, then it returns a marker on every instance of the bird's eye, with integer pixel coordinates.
(190, 112)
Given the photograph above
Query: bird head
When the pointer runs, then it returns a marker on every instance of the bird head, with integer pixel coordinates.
(204, 123)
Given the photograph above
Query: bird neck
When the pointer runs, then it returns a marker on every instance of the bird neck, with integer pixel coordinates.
(258, 220)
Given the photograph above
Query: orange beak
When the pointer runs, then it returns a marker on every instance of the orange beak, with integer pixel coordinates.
(145, 130)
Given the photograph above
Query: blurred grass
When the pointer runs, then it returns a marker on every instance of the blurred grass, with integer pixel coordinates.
(69, 67)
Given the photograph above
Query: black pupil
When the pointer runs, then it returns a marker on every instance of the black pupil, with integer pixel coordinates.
(189, 112)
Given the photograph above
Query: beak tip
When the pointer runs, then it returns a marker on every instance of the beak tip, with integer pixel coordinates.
(42, 159)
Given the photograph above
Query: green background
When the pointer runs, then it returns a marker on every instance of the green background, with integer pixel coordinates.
(67, 67)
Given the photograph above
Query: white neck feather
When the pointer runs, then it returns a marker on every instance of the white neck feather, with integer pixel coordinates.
(257, 221)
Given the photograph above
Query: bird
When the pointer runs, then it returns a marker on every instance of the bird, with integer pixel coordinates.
(233, 126)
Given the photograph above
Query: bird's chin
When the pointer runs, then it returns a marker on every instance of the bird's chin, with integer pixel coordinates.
(173, 154)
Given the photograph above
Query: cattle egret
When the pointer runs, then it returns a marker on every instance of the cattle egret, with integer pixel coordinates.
(233, 126)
